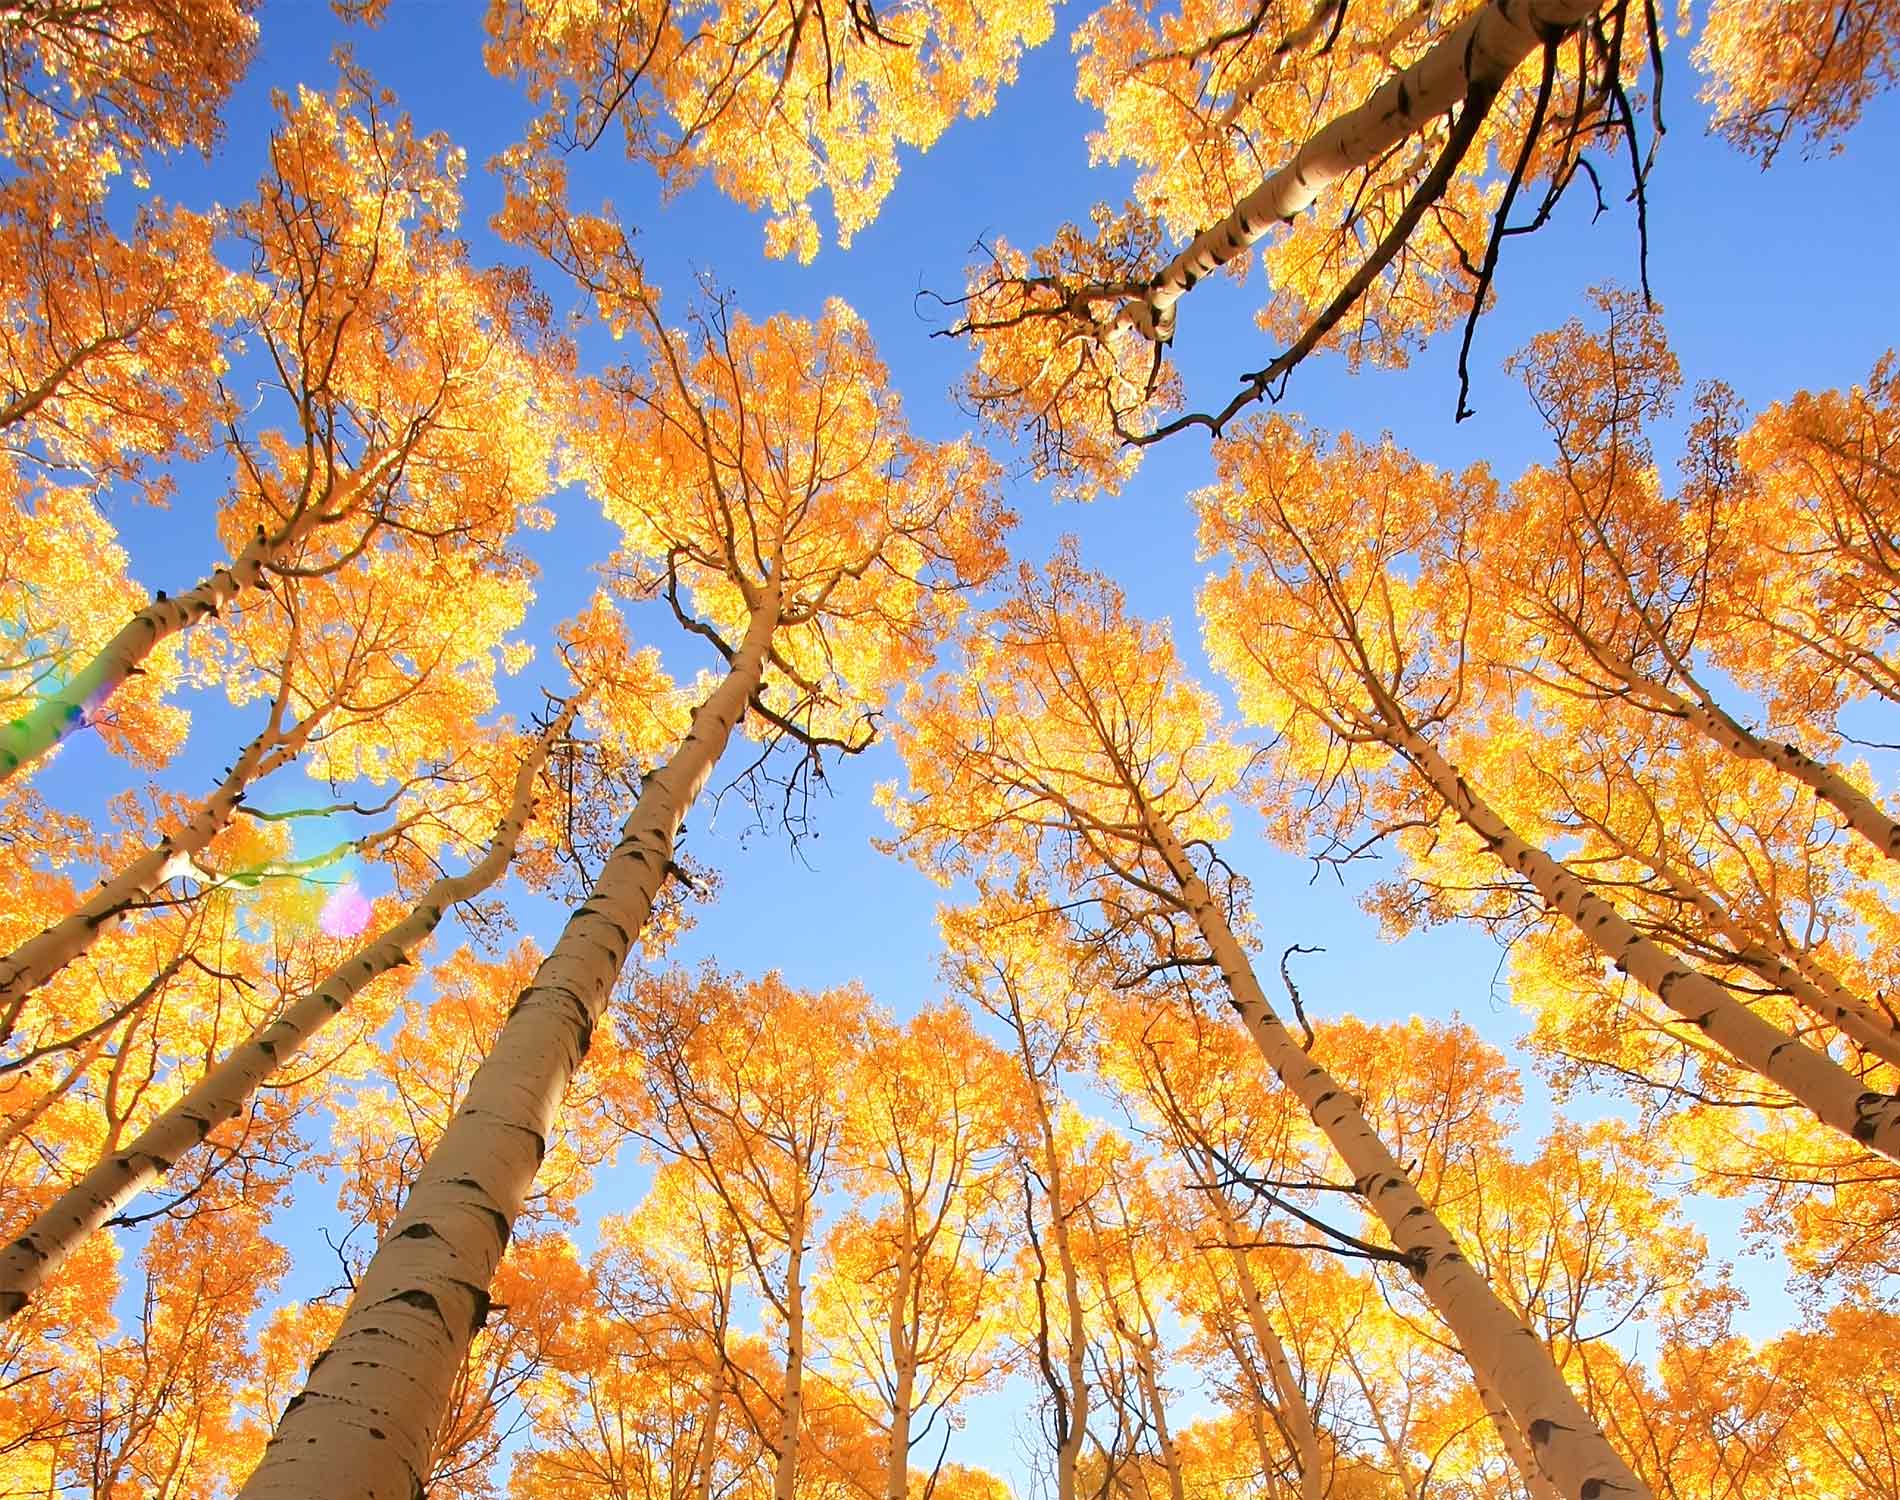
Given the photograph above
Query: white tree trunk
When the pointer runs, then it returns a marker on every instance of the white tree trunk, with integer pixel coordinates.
(226, 1089)
(904, 1369)
(1569, 1445)
(59, 714)
(1811, 984)
(43, 955)
(367, 1415)
(1290, 1399)
(1719, 727)
(1479, 53)
(1833, 1094)
(792, 1408)
(1535, 1484)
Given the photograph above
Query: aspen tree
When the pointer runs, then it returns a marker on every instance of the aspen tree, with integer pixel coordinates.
(1377, 656)
(223, 1092)
(375, 324)
(1060, 749)
(1610, 571)
(765, 469)
(1403, 232)
(776, 104)
(908, 1307)
(1192, 1076)
(362, 679)
(1008, 958)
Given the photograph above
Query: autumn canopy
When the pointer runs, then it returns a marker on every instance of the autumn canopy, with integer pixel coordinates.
(617, 893)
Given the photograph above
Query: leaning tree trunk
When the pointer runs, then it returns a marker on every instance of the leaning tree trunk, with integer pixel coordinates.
(59, 714)
(1473, 58)
(222, 1094)
(1811, 984)
(1569, 1445)
(1700, 711)
(364, 1422)
(43, 955)
(1294, 1412)
(1828, 1090)
(1536, 1485)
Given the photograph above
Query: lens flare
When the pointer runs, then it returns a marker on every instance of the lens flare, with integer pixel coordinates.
(346, 913)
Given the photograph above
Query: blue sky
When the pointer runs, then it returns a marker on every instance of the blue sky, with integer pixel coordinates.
(1771, 281)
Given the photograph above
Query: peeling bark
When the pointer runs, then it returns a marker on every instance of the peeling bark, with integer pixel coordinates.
(226, 1089)
(366, 1418)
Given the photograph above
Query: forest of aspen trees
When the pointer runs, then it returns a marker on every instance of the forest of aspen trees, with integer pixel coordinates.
(917, 750)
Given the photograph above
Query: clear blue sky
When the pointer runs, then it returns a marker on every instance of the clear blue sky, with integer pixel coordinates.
(1771, 282)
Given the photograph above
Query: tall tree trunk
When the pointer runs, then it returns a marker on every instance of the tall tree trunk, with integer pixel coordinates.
(1810, 983)
(1158, 1415)
(25, 739)
(1536, 1485)
(904, 1362)
(1075, 1352)
(1834, 1095)
(222, 1094)
(1474, 57)
(706, 1445)
(1699, 709)
(792, 1408)
(42, 956)
(363, 1424)
(1294, 1413)
(1569, 1444)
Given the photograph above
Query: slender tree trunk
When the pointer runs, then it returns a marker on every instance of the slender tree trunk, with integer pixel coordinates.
(1812, 985)
(792, 1409)
(1834, 1095)
(59, 714)
(706, 1446)
(364, 1421)
(1075, 1352)
(1294, 1413)
(1569, 1444)
(1536, 1485)
(904, 1362)
(1158, 1416)
(1701, 712)
(222, 1094)
(1475, 56)
(42, 956)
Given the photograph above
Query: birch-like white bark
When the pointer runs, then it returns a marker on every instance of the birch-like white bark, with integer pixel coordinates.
(59, 714)
(1478, 54)
(1829, 1091)
(365, 1420)
(1536, 1485)
(1294, 1412)
(792, 1408)
(1812, 985)
(1069, 1453)
(222, 1094)
(1702, 713)
(44, 954)
(1569, 1445)
(904, 1363)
